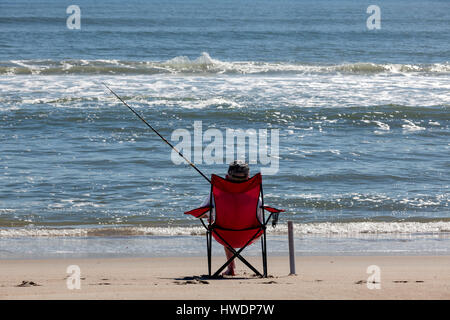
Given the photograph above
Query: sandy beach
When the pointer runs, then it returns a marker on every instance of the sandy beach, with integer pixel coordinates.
(321, 277)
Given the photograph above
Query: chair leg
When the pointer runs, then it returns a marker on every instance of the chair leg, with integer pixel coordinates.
(236, 254)
(264, 253)
(208, 245)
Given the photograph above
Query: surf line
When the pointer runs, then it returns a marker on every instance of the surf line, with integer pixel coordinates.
(162, 138)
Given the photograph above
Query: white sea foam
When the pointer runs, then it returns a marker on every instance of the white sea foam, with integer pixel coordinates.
(382, 126)
(228, 92)
(411, 126)
(324, 228)
(354, 228)
(38, 232)
(205, 64)
(216, 102)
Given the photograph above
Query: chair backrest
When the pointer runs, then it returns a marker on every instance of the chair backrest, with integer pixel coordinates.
(236, 204)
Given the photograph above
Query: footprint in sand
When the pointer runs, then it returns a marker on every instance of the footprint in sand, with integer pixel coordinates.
(364, 281)
(191, 280)
(28, 284)
(67, 277)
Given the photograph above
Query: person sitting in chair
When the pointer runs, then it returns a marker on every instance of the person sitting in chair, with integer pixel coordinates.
(238, 171)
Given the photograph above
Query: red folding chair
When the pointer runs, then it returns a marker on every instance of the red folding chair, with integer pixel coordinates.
(236, 223)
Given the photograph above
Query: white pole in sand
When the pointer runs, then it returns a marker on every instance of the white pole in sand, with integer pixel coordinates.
(291, 247)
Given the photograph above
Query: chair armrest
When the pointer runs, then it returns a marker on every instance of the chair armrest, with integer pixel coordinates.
(273, 214)
(273, 210)
(198, 212)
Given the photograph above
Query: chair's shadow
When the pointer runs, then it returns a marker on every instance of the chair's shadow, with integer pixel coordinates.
(220, 277)
(203, 279)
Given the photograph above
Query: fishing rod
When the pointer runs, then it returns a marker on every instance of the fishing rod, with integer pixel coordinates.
(163, 139)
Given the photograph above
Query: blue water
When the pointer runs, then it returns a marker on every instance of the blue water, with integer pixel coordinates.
(363, 115)
(325, 31)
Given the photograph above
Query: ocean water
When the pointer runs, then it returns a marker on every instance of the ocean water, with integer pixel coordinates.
(362, 119)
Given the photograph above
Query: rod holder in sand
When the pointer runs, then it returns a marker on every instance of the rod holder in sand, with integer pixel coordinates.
(291, 248)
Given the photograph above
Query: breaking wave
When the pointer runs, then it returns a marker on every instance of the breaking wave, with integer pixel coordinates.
(323, 228)
(204, 64)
